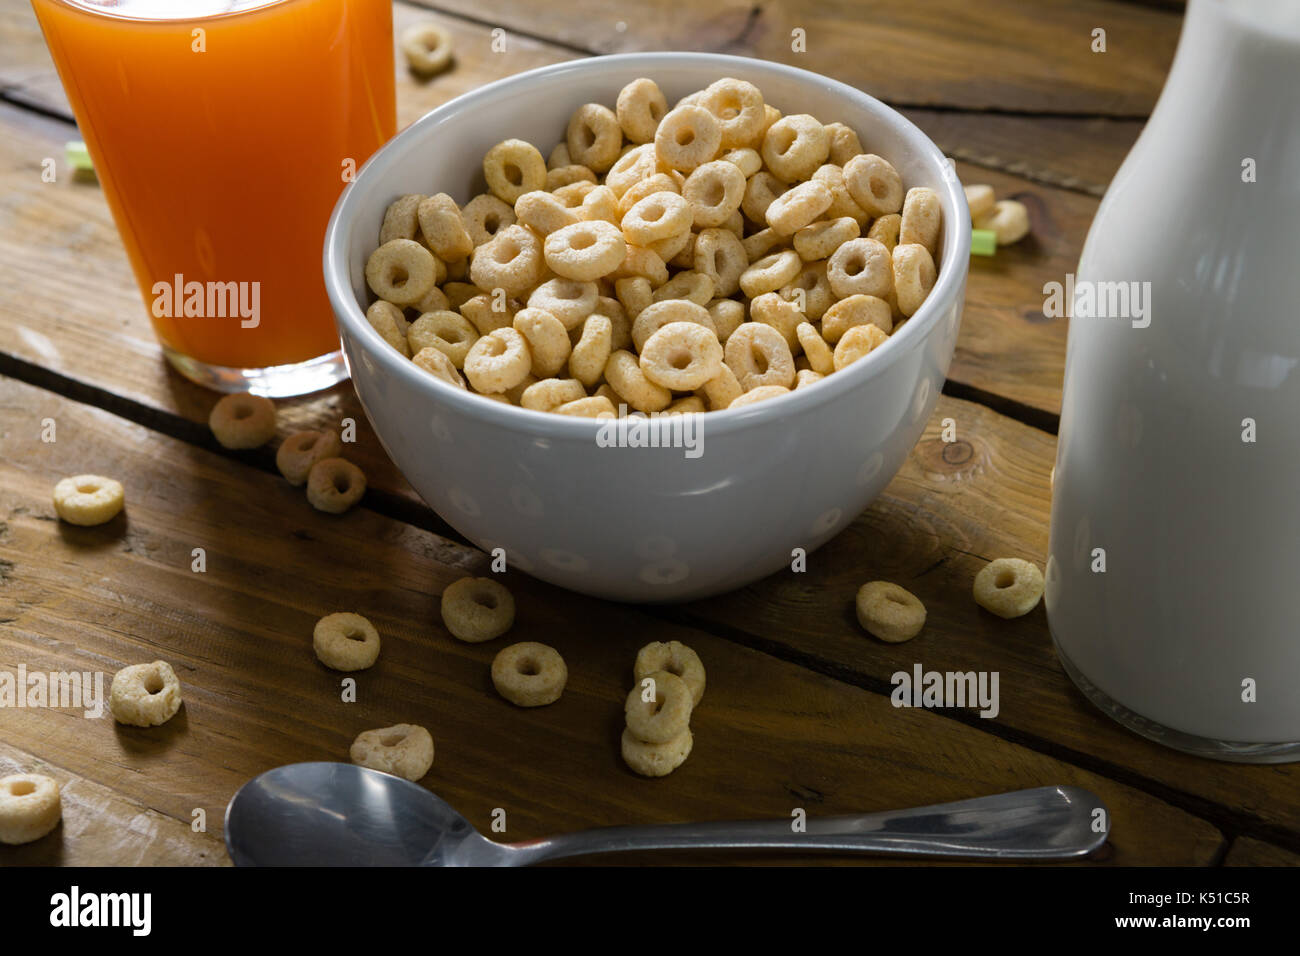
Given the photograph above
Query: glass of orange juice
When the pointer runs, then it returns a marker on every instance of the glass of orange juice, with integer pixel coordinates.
(222, 132)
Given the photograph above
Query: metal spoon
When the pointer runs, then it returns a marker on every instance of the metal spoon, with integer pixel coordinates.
(338, 814)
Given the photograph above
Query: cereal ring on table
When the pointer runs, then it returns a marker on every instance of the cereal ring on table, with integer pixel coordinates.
(690, 285)
(914, 276)
(760, 394)
(844, 143)
(511, 261)
(675, 658)
(798, 207)
(594, 137)
(762, 243)
(855, 311)
(658, 183)
(29, 807)
(642, 262)
(738, 107)
(88, 500)
(548, 341)
(436, 362)
(389, 321)
(1009, 220)
(145, 695)
(299, 452)
(595, 406)
(681, 356)
(541, 212)
(655, 316)
(624, 375)
(498, 361)
(427, 48)
(550, 393)
(586, 250)
(842, 204)
(660, 215)
(857, 342)
(592, 351)
(345, 642)
(666, 716)
(860, 267)
(794, 146)
(714, 191)
(759, 356)
(1009, 587)
(512, 168)
(640, 107)
(485, 216)
(820, 357)
(634, 294)
(813, 287)
(687, 137)
(477, 609)
(889, 612)
(874, 184)
(559, 157)
(638, 163)
(820, 239)
(980, 200)
(401, 218)
(922, 216)
(435, 301)
(569, 301)
(443, 228)
(723, 389)
(727, 316)
(721, 256)
(761, 190)
(242, 420)
(335, 484)
(885, 230)
(448, 332)
(773, 311)
(655, 760)
(529, 674)
(770, 273)
(805, 377)
(404, 750)
(401, 271)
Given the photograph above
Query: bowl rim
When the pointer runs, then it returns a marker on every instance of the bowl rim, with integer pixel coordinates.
(952, 270)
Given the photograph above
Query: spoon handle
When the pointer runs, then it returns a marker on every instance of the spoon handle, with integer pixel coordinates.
(1046, 823)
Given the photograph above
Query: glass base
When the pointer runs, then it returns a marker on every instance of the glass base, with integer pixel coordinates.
(273, 381)
(1187, 743)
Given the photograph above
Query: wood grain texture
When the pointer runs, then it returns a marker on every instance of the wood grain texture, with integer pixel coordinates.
(1246, 851)
(770, 736)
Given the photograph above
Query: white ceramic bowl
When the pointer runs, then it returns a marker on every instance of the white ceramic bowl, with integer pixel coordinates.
(645, 523)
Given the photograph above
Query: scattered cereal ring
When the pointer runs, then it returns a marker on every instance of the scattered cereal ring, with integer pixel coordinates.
(477, 609)
(1008, 219)
(299, 452)
(914, 276)
(795, 146)
(656, 760)
(860, 267)
(529, 674)
(401, 271)
(889, 612)
(586, 250)
(664, 718)
(334, 485)
(798, 207)
(714, 191)
(388, 320)
(242, 420)
(485, 216)
(30, 807)
(345, 642)
(856, 343)
(498, 361)
(640, 107)
(675, 658)
(88, 500)
(874, 184)
(594, 137)
(687, 137)
(922, 216)
(738, 107)
(405, 750)
(681, 356)
(511, 260)
(624, 375)
(401, 218)
(760, 394)
(145, 695)
(437, 363)
(512, 168)
(759, 356)
(1009, 587)
(444, 229)
(427, 48)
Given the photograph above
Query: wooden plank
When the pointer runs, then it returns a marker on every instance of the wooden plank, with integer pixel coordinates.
(1246, 851)
(770, 736)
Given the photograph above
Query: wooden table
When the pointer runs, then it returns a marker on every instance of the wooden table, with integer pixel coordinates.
(797, 712)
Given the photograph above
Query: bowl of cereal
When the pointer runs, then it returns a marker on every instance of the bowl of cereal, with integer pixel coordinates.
(649, 323)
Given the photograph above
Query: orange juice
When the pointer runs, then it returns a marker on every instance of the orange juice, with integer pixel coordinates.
(222, 132)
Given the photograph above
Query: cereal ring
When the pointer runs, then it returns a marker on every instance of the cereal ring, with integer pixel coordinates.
(686, 406)
(596, 406)
(241, 421)
(594, 137)
(675, 658)
(559, 157)
(588, 357)
(738, 107)
(745, 159)
(634, 294)
(820, 239)
(761, 191)
(980, 200)
(145, 695)
(759, 356)
(477, 609)
(659, 215)
(761, 243)
(889, 612)
(914, 276)
(640, 107)
(623, 372)
(855, 311)
(511, 261)
(690, 285)
(681, 356)
(448, 332)
(401, 271)
(842, 204)
(485, 216)
(568, 175)
(334, 485)
(797, 207)
(656, 760)
(600, 204)
(874, 184)
(586, 250)
(401, 218)
(857, 342)
(723, 389)
(667, 716)
(727, 315)
(860, 267)
(714, 191)
(1009, 587)
(675, 249)
(487, 313)
(573, 194)
(812, 287)
(820, 357)
(772, 310)
(427, 47)
(654, 317)
(658, 183)
(435, 301)
(620, 324)
(515, 394)
(770, 273)
(844, 143)
(29, 807)
(436, 362)
(550, 393)
(299, 452)
(541, 212)
(721, 256)
(459, 293)
(1009, 220)
(805, 377)
(569, 301)
(760, 394)
(548, 342)
(642, 262)
(922, 216)
(345, 642)
(88, 500)
(529, 674)
(794, 146)
(405, 750)
(443, 228)
(512, 168)
(687, 137)
(389, 321)
(498, 361)
(885, 230)
(638, 163)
